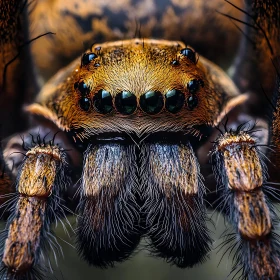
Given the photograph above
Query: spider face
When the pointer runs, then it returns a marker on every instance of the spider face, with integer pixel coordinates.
(135, 86)
(118, 136)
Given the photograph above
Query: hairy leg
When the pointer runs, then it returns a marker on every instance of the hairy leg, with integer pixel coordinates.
(35, 205)
(241, 172)
(173, 202)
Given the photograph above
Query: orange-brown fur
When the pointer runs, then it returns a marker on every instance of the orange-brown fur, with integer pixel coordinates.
(262, 264)
(137, 65)
(24, 234)
(39, 171)
(170, 20)
(35, 185)
(242, 164)
(254, 220)
(244, 174)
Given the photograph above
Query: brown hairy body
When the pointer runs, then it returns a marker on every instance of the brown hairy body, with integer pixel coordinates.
(119, 135)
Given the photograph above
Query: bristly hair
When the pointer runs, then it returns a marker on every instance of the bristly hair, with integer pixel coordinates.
(33, 274)
(169, 237)
(109, 221)
(217, 160)
(245, 252)
(54, 212)
(175, 220)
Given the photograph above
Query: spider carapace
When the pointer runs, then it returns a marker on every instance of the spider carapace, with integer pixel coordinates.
(121, 132)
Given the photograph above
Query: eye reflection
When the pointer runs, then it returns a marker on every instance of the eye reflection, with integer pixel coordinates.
(82, 87)
(174, 101)
(189, 53)
(103, 102)
(87, 58)
(85, 103)
(192, 102)
(151, 102)
(194, 85)
(126, 102)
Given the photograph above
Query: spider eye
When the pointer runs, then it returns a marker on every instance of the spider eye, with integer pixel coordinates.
(189, 53)
(87, 58)
(174, 101)
(103, 102)
(193, 85)
(82, 87)
(126, 102)
(175, 62)
(85, 103)
(151, 102)
(192, 102)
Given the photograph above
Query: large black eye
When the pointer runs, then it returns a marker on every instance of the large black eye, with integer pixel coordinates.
(126, 102)
(192, 102)
(151, 102)
(174, 101)
(103, 102)
(193, 85)
(189, 53)
(87, 58)
(85, 103)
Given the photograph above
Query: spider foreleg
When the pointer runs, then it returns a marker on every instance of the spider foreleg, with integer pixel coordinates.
(18, 80)
(39, 184)
(6, 183)
(241, 172)
(173, 203)
(109, 216)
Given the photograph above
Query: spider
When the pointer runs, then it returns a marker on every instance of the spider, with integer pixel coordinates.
(123, 134)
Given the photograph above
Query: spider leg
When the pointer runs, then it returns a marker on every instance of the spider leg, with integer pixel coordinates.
(240, 170)
(6, 183)
(275, 127)
(254, 69)
(40, 181)
(18, 83)
(109, 219)
(173, 203)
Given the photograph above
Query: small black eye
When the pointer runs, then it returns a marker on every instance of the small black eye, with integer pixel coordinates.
(82, 87)
(189, 53)
(126, 102)
(151, 102)
(192, 102)
(85, 103)
(175, 62)
(174, 101)
(193, 85)
(103, 102)
(87, 58)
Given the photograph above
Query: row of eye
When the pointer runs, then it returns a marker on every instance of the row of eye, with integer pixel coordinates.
(152, 102)
(187, 52)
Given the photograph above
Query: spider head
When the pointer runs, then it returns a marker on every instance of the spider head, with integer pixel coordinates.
(137, 86)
